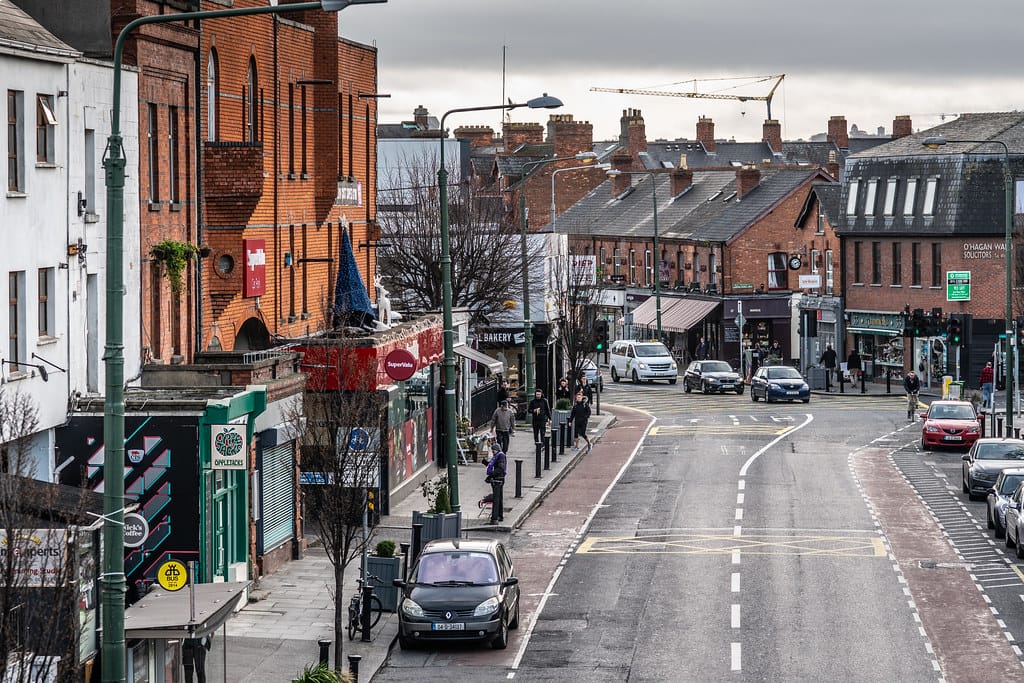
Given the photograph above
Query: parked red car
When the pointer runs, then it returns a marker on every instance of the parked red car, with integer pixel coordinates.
(950, 423)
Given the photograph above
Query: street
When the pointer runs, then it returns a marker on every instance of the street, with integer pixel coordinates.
(746, 541)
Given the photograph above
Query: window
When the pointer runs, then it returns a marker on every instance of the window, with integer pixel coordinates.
(291, 272)
(777, 271)
(648, 267)
(890, 196)
(712, 275)
(252, 104)
(915, 264)
(632, 266)
(851, 199)
(679, 266)
(869, 199)
(857, 265)
(211, 96)
(46, 316)
(616, 261)
(815, 258)
(173, 157)
(15, 142)
(602, 255)
(16, 317)
(153, 148)
(929, 197)
(305, 272)
(696, 268)
(829, 272)
(291, 129)
(89, 159)
(936, 264)
(820, 229)
(1018, 196)
(876, 263)
(304, 131)
(897, 263)
(45, 123)
(911, 196)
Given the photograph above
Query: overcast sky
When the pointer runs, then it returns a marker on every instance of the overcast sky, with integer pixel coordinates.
(868, 60)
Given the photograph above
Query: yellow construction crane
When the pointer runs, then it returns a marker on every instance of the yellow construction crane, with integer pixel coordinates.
(767, 99)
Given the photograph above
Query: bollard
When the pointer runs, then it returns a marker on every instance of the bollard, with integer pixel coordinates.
(1016, 432)
(548, 452)
(547, 456)
(537, 462)
(325, 650)
(842, 383)
(999, 426)
(519, 478)
(828, 380)
(862, 388)
(888, 381)
(417, 540)
(405, 560)
(353, 667)
(563, 436)
(364, 618)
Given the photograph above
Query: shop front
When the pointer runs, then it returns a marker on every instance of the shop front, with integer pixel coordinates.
(878, 339)
(764, 319)
(822, 326)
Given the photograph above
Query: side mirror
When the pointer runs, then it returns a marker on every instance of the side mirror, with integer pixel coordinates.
(990, 490)
(509, 582)
(924, 416)
(966, 458)
(398, 583)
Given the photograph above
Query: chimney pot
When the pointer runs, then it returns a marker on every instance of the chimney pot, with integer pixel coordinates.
(773, 135)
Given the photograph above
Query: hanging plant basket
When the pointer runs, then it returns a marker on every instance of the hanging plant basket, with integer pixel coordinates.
(174, 256)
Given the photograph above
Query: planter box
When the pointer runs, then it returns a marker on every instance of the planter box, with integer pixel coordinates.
(437, 525)
(385, 568)
(558, 417)
(816, 378)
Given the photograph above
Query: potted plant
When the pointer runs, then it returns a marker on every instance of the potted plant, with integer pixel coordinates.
(387, 566)
(174, 256)
(439, 521)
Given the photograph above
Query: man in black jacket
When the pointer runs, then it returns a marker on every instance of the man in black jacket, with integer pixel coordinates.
(540, 414)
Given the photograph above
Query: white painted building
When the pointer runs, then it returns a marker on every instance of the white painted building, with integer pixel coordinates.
(52, 239)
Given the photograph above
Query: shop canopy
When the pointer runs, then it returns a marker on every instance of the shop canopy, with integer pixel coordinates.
(163, 614)
(493, 364)
(677, 314)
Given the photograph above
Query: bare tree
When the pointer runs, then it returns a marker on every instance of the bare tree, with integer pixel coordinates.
(486, 257)
(43, 593)
(576, 292)
(342, 434)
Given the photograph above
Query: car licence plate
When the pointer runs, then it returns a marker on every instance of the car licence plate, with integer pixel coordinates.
(448, 627)
(792, 393)
(953, 438)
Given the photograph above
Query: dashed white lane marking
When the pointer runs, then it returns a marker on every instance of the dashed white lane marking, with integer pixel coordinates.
(735, 582)
(743, 485)
(735, 616)
(739, 499)
(737, 657)
(737, 530)
(736, 557)
(739, 514)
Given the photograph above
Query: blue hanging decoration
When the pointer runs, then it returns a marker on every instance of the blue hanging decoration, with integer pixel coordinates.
(351, 300)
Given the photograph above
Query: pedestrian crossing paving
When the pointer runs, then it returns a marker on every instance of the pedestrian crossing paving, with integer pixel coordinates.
(674, 403)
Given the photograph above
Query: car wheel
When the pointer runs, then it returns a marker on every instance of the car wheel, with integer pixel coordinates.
(615, 375)
(1020, 551)
(1000, 530)
(500, 641)
(405, 643)
(753, 396)
(963, 481)
(636, 378)
(514, 624)
(988, 518)
(673, 380)
(1009, 541)
(686, 386)
(767, 398)
(924, 446)
(705, 389)
(806, 400)
(739, 392)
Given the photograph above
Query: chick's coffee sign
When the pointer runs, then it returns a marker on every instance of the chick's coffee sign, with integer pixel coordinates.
(254, 281)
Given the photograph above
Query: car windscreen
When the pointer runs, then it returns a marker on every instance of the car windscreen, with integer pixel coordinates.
(948, 412)
(784, 373)
(999, 451)
(1010, 483)
(643, 350)
(456, 568)
(717, 367)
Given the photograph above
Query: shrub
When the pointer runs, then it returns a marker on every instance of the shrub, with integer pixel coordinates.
(385, 549)
(563, 404)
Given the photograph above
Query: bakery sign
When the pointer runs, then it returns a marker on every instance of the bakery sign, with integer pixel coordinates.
(227, 447)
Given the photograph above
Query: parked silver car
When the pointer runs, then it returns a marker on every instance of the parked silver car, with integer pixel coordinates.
(999, 496)
(1015, 519)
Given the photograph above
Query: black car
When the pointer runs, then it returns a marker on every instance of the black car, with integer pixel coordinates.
(459, 590)
(779, 383)
(986, 459)
(712, 376)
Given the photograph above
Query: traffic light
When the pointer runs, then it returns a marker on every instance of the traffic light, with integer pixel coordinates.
(600, 335)
(917, 323)
(370, 500)
(954, 331)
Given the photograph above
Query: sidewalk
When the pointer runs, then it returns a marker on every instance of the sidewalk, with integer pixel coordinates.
(275, 635)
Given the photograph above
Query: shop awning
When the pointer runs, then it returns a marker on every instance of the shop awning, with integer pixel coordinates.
(645, 313)
(163, 614)
(872, 330)
(687, 313)
(492, 364)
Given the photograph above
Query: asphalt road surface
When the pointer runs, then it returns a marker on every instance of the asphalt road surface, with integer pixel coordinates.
(712, 538)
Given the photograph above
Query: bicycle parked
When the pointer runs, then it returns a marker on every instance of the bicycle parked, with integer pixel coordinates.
(355, 607)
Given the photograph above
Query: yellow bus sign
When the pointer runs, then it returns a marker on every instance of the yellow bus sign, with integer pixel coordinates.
(172, 576)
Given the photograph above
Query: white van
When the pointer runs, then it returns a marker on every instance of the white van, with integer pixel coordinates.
(640, 360)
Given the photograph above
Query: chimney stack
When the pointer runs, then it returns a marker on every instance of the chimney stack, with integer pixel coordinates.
(747, 178)
(837, 132)
(772, 135)
(706, 133)
(902, 126)
(420, 116)
(570, 137)
(478, 136)
(518, 134)
(621, 161)
(682, 178)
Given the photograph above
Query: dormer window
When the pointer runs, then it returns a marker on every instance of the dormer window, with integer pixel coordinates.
(910, 198)
(929, 197)
(890, 196)
(851, 198)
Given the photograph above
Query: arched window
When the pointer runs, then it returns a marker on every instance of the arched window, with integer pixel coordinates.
(252, 127)
(211, 96)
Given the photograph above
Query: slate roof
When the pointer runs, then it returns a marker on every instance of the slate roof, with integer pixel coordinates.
(824, 195)
(19, 31)
(969, 197)
(708, 210)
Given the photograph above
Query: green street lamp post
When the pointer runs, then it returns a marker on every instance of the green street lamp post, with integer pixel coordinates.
(450, 451)
(657, 254)
(113, 583)
(935, 143)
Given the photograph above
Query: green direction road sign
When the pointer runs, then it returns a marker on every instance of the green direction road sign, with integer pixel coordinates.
(958, 285)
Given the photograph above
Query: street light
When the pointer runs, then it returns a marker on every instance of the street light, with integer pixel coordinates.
(527, 324)
(114, 584)
(614, 173)
(935, 143)
(450, 453)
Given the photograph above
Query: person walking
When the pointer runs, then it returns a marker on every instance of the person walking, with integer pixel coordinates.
(776, 351)
(912, 385)
(828, 359)
(701, 353)
(578, 417)
(496, 468)
(503, 422)
(586, 387)
(193, 655)
(986, 385)
(563, 390)
(853, 365)
(540, 415)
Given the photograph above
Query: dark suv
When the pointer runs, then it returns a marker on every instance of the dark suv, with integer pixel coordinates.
(712, 376)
